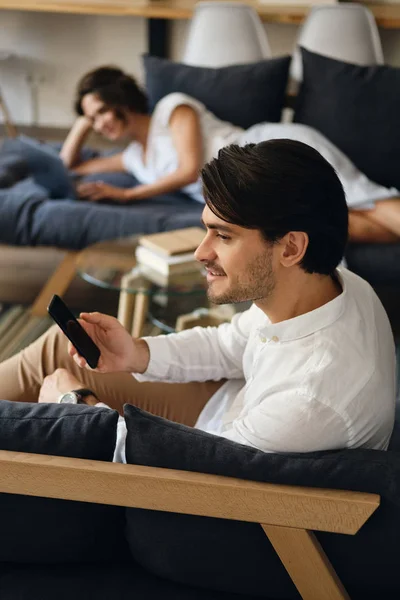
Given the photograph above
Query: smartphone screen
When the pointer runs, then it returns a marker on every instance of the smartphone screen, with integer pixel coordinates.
(64, 318)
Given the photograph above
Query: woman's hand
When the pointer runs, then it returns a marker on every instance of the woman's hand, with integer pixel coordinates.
(97, 190)
(119, 352)
(69, 152)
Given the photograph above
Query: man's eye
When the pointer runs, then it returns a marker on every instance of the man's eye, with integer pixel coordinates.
(223, 237)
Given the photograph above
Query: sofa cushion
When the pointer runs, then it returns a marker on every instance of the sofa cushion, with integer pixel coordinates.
(241, 94)
(357, 109)
(237, 556)
(91, 581)
(377, 263)
(56, 531)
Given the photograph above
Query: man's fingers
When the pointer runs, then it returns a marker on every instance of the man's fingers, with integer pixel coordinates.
(80, 361)
(97, 318)
(71, 349)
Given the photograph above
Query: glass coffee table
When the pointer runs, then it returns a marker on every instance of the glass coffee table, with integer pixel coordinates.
(144, 294)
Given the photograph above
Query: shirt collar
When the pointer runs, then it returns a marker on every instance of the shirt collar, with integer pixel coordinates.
(309, 323)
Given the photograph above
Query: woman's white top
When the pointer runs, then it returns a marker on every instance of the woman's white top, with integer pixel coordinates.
(162, 159)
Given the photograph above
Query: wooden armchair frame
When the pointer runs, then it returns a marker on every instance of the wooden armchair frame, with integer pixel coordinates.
(287, 514)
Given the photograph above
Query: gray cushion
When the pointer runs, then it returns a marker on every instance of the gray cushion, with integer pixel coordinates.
(357, 109)
(93, 581)
(236, 556)
(241, 94)
(377, 263)
(58, 531)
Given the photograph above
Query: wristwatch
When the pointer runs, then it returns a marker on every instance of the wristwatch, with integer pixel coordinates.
(75, 396)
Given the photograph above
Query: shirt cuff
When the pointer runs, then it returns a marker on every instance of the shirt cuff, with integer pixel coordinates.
(102, 405)
(160, 359)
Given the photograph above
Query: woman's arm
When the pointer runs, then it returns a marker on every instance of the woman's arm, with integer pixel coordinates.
(186, 136)
(106, 164)
(69, 153)
(74, 141)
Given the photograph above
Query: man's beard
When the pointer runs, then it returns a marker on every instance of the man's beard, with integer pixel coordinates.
(257, 283)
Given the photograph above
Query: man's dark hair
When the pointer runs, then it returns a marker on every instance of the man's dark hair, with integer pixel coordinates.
(279, 186)
(115, 88)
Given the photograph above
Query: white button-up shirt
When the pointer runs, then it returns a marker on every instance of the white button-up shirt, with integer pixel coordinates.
(323, 380)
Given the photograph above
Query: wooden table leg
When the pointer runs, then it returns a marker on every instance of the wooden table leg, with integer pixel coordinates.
(140, 314)
(306, 563)
(126, 303)
(58, 283)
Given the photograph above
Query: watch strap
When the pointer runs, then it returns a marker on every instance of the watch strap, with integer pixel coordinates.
(84, 393)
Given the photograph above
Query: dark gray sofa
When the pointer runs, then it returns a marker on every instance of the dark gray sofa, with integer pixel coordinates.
(62, 549)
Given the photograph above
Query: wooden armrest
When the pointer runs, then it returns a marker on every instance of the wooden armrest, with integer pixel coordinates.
(184, 492)
(286, 513)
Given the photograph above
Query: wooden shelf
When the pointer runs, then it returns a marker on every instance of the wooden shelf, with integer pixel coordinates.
(387, 15)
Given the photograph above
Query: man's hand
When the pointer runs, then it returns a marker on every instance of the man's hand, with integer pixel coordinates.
(97, 190)
(60, 382)
(119, 352)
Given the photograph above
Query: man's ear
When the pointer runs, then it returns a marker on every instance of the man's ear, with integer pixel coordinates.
(293, 248)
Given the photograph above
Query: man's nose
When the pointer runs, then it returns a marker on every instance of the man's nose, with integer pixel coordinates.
(204, 252)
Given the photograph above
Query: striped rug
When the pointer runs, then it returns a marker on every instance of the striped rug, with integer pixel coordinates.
(18, 328)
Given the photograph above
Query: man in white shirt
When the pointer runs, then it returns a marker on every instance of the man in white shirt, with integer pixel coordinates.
(310, 366)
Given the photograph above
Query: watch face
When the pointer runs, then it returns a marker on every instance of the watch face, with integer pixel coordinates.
(69, 398)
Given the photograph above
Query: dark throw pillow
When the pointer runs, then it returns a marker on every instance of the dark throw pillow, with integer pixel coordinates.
(235, 556)
(241, 94)
(44, 530)
(356, 108)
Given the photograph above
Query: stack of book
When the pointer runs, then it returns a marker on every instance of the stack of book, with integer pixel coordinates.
(172, 252)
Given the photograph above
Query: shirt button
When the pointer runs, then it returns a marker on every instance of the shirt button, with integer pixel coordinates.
(263, 339)
(275, 338)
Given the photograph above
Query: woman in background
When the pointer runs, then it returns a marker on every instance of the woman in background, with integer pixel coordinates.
(166, 150)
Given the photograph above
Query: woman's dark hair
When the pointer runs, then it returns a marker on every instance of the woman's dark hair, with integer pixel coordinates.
(115, 88)
(280, 186)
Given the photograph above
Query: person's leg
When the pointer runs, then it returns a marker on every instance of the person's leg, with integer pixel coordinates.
(21, 377)
(364, 229)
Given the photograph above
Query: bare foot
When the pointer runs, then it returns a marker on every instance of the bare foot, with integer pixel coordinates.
(387, 214)
(363, 229)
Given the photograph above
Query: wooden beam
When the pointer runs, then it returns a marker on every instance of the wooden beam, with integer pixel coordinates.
(184, 492)
(307, 564)
(386, 15)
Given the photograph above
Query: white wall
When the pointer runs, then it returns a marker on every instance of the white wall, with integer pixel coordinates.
(56, 49)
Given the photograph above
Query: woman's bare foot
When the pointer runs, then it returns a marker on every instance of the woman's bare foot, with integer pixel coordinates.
(363, 229)
(387, 214)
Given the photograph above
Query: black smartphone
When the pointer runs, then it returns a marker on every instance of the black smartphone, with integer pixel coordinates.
(64, 318)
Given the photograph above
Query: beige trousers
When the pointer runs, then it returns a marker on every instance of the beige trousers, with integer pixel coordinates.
(21, 377)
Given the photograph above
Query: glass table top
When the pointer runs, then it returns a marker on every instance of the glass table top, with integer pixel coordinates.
(112, 265)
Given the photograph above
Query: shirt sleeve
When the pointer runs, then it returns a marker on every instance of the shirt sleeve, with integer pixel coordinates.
(166, 106)
(201, 353)
(285, 422)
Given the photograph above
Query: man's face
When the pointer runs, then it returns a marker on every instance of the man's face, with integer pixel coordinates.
(239, 262)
